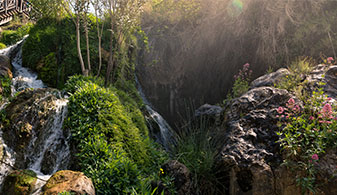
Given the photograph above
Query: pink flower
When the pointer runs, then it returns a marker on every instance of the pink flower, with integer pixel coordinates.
(327, 111)
(311, 118)
(329, 59)
(291, 101)
(280, 110)
(314, 157)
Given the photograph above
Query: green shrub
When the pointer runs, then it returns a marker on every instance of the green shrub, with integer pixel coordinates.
(6, 87)
(197, 146)
(77, 81)
(50, 35)
(294, 81)
(9, 37)
(2, 46)
(241, 83)
(112, 150)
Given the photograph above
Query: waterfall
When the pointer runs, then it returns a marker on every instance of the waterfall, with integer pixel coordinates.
(49, 145)
(165, 136)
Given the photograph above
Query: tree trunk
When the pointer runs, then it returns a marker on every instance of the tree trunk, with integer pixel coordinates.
(99, 35)
(110, 63)
(78, 44)
(87, 42)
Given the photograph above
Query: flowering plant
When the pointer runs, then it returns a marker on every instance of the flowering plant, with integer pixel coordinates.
(307, 132)
(242, 79)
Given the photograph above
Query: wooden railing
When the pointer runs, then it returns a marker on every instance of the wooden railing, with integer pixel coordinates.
(8, 8)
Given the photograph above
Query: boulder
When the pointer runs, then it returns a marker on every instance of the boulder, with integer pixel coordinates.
(5, 72)
(269, 79)
(5, 62)
(324, 74)
(250, 151)
(19, 182)
(211, 113)
(181, 176)
(250, 155)
(5, 68)
(68, 181)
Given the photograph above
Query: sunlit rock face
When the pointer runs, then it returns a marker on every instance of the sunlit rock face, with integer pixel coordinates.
(324, 74)
(250, 155)
(250, 148)
(69, 181)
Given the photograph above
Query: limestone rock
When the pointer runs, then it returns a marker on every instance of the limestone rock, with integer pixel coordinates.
(250, 151)
(327, 75)
(20, 182)
(211, 113)
(181, 176)
(250, 154)
(270, 79)
(5, 62)
(69, 181)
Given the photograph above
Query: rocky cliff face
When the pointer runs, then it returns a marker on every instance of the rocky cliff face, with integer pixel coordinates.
(250, 154)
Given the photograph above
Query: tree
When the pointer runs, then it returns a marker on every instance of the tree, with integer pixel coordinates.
(47, 8)
(79, 8)
(99, 6)
(124, 19)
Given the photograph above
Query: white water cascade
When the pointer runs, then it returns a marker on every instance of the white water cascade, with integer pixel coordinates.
(165, 136)
(50, 142)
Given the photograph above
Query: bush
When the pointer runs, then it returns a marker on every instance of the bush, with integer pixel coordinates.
(241, 83)
(294, 81)
(2, 46)
(52, 45)
(112, 150)
(5, 84)
(9, 37)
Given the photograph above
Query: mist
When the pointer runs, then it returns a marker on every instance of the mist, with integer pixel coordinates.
(196, 47)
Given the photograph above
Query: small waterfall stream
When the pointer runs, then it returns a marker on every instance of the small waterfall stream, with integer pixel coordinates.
(165, 136)
(49, 142)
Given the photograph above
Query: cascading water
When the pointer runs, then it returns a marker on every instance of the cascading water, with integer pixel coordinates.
(48, 149)
(165, 136)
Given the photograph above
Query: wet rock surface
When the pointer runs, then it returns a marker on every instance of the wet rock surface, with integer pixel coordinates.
(69, 181)
(28, 114)
(19, 182)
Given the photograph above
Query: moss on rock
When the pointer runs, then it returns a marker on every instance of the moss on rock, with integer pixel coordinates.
(68, 181)
(19, 182)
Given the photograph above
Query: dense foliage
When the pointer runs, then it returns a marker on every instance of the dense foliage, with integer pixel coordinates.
(50, 50)
(9, 37)
(5, 84)
(113, 147)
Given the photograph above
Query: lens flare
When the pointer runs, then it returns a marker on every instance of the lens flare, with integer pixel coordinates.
(238, 4)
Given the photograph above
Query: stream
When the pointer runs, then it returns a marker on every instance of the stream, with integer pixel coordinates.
(50, 141)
